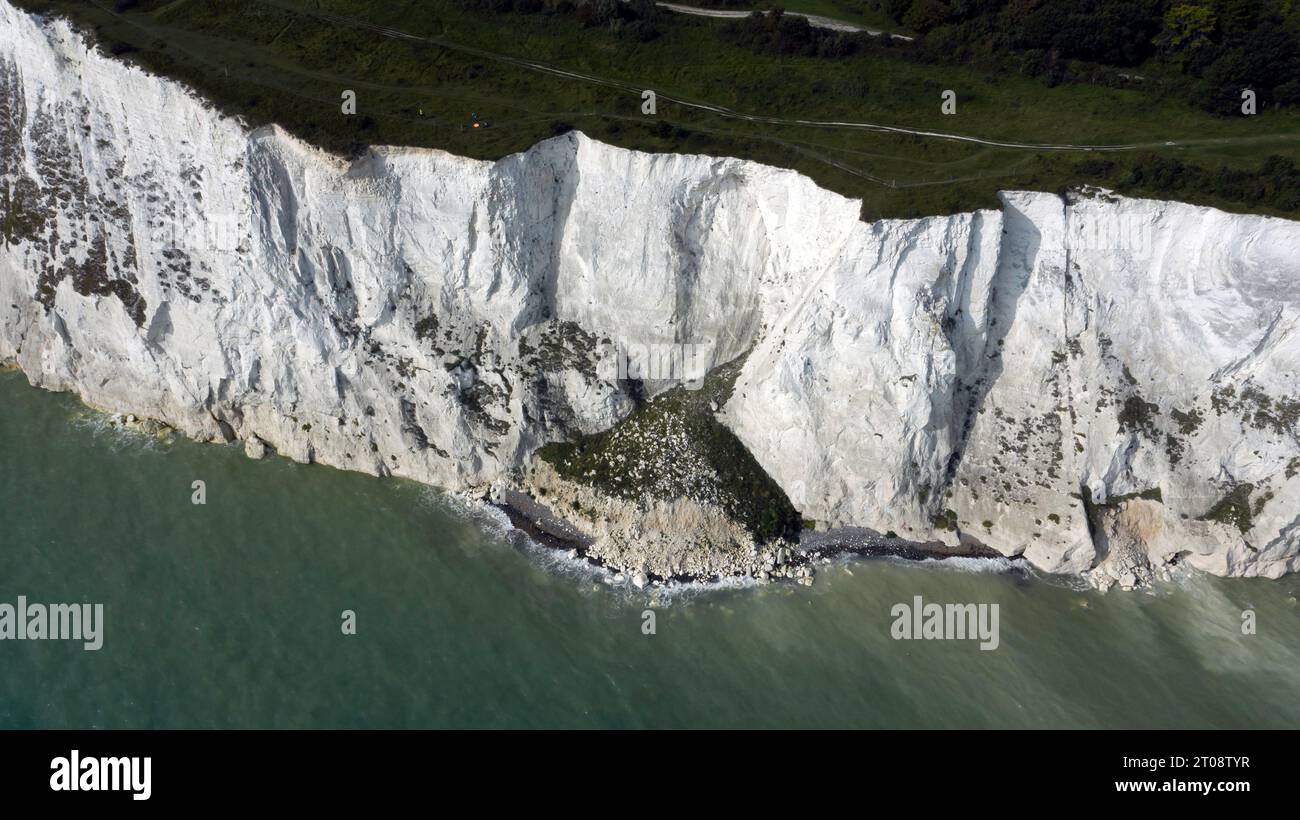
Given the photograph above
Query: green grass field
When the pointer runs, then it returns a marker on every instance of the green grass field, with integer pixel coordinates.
(282, 61)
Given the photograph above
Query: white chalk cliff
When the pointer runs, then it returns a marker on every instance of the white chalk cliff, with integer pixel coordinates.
(419, 314)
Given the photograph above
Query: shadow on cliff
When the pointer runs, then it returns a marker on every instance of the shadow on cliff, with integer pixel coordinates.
(542, 267)
(978, 350)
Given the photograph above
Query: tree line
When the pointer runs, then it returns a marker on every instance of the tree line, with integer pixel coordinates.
(1211, 49)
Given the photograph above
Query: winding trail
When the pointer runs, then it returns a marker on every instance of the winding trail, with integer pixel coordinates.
(815, 20)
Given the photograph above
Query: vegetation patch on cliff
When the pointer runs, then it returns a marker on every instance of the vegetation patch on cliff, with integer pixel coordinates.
(673, 447)
(1233, 508)
(556, 346)
(1258, 410)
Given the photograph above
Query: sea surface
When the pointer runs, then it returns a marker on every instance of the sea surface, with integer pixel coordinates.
(230, 614)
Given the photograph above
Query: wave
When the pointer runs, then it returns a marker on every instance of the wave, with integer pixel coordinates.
(118, 435)
(468, 507)
(962, 563)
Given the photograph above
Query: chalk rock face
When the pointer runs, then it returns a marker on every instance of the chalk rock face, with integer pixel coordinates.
(1011, 376)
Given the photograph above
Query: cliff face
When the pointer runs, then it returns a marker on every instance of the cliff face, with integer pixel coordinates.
(1015, 375)
(1024, 374)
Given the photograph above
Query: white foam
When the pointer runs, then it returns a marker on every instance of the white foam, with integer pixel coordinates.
(118, 435)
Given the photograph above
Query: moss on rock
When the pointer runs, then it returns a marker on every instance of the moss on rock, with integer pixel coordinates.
(673, 447)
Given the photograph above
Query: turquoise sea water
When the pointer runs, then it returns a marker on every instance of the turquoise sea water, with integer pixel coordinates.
(229, 614)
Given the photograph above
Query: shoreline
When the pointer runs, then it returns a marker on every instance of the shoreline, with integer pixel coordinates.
(550, 531)
(539, 523)
(797, 563)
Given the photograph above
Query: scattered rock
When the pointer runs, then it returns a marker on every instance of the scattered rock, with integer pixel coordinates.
(255, 448)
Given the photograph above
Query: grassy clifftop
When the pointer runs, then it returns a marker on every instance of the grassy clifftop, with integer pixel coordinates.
(486, 79)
